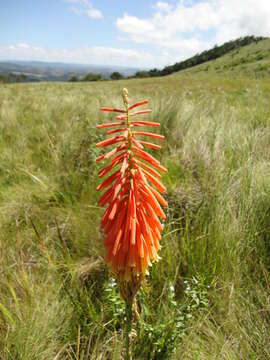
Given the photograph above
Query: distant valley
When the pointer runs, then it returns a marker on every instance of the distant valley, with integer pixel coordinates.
(51, 71)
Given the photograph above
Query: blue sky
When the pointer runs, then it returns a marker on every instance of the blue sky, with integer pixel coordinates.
(137, 33)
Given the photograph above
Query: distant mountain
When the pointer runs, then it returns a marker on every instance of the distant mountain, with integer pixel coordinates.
(54, 71)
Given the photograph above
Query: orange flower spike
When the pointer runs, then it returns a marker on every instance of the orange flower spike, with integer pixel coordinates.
(131, 221)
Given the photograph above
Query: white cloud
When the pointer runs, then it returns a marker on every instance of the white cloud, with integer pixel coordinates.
(190, 27)
(168, 27)
(79, 2)
(87, 55)
(134, 26)
(239, 18)
(163, 6)
(85, 7)
(23, 46)
(94, 13)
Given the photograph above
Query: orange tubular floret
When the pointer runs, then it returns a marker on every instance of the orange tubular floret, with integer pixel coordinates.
(146, 111)
(139, 240)
(102, 126)
(107, 109)
(144, 123)
(131, 221)
(108, 168)
(109, 132)
(156, 136)
(159, 197)
(155, 164)
(105, 197)
(149, 168)
(150, 159)
(110, 153)
(107, 182)
(153, 203)
(137, 143)
(138, 104)
(152, 146)
(110, 141)
(155, 182)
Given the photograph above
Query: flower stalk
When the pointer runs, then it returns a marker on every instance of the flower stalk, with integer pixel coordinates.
(132, 221)
(128, 329)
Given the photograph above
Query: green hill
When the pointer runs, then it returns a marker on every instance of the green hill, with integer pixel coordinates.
(248, 54)
(251, 60)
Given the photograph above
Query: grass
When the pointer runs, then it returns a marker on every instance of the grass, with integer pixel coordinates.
(208, 298)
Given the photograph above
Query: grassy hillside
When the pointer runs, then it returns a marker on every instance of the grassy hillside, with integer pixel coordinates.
(208, 298)
(208, 56)
(252, 60)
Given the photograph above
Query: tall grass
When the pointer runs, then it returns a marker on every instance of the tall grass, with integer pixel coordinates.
(209, 296)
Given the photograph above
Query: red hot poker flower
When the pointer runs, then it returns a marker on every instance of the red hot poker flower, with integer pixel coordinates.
(131, 221)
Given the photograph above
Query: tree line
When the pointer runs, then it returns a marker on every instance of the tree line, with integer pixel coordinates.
(97, 77)
(17, 78)
(13, 78)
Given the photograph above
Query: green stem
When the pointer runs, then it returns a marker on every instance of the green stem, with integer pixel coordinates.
(128, 329)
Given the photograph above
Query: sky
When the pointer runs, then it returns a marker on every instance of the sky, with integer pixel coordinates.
(140, 33)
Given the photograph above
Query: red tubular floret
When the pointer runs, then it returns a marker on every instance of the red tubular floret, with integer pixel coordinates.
(143, 102)
(144, 123)
(147, 167)
(109, 132)
(111, 141)
(151, 145)
(111, 153)
(107, 109)
(102, 126)
(144, 133)
(109, 180)
(140, 112)
(154, 181)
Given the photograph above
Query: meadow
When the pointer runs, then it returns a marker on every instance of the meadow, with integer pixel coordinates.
(208, 297)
